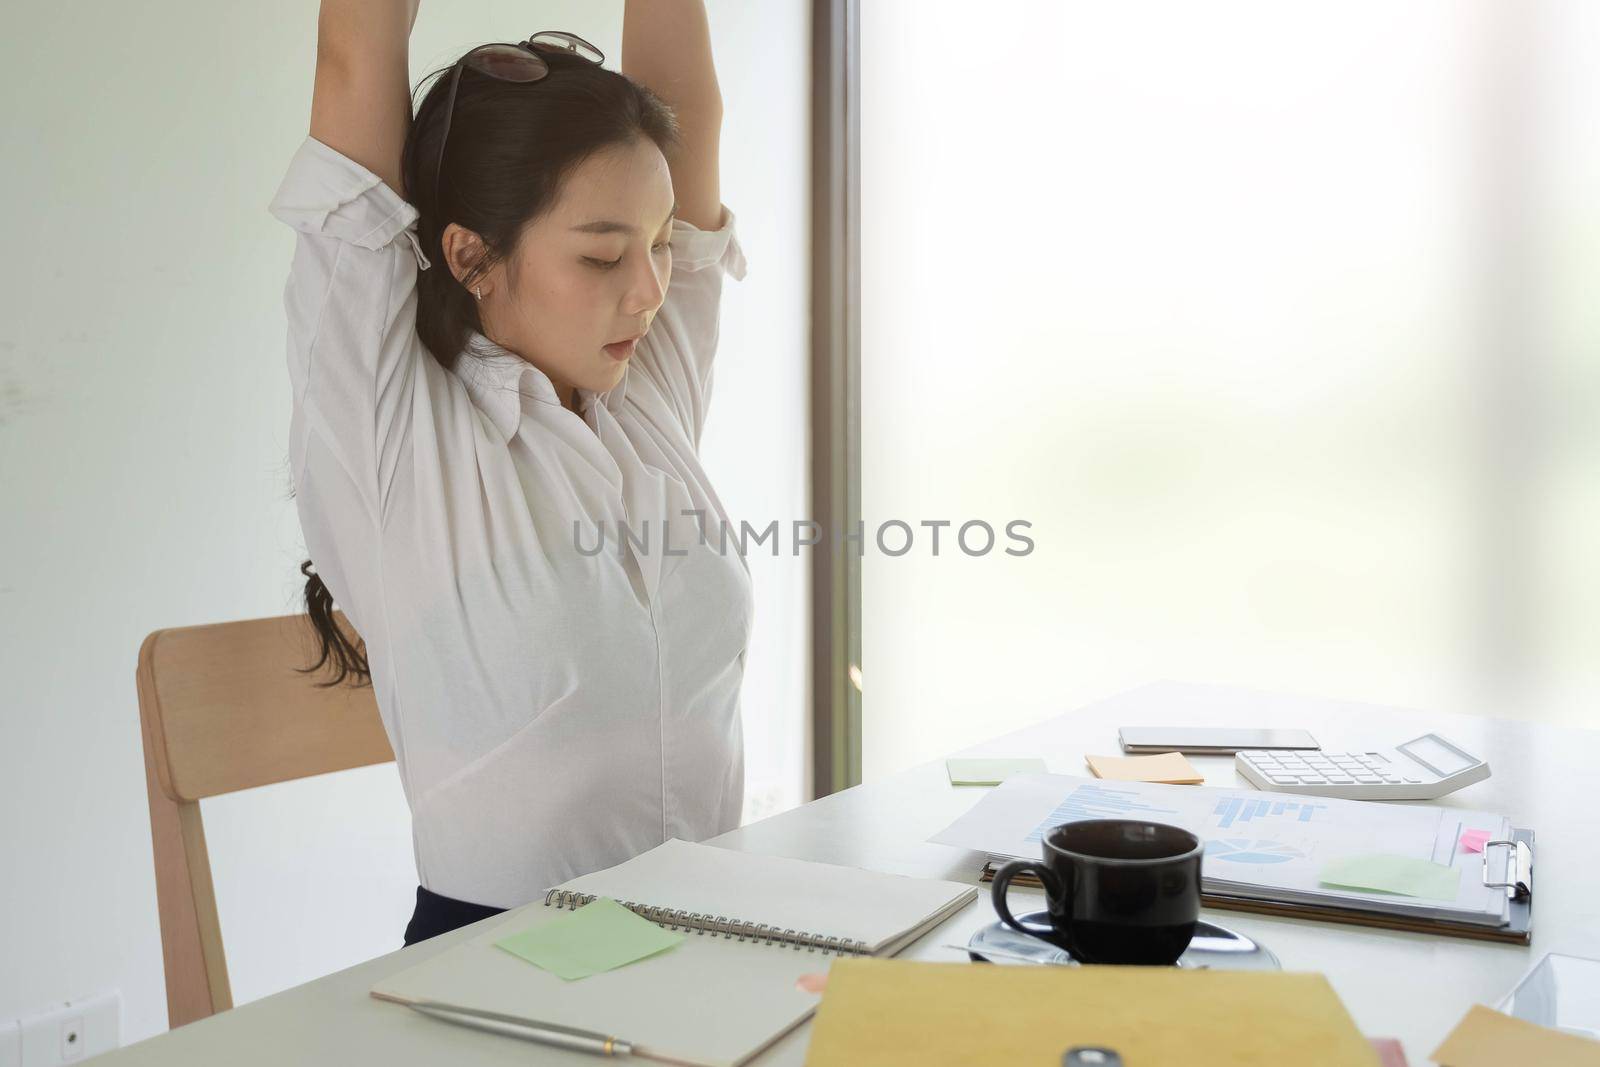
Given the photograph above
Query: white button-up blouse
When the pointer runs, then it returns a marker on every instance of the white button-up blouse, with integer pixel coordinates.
(554, 709)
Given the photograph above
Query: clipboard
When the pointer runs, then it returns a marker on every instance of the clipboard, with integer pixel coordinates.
(1517, 883)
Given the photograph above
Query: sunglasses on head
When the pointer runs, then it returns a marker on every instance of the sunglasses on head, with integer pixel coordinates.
(518, 62)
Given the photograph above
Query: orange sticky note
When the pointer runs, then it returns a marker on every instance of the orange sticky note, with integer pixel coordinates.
(1169, 768)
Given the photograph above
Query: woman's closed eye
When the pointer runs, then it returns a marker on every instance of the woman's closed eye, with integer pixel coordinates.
(607, 264)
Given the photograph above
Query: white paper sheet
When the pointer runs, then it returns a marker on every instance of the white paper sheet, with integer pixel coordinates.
(1269, 846)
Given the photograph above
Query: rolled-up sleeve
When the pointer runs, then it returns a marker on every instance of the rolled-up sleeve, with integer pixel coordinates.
(680, 348)
(351, 307)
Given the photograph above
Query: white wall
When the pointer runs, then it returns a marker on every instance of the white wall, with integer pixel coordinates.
(1278, 323)
(144, 413)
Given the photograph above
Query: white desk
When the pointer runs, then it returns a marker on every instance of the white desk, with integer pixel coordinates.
(1411, 986)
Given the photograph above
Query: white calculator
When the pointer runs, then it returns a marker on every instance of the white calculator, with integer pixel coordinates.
(1421, 769)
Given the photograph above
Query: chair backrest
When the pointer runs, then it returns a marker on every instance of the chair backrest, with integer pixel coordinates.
(222, 708)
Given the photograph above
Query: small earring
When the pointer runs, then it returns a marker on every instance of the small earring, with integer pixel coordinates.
(477, 291)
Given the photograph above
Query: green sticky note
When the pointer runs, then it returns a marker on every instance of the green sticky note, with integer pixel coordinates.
(988, 771)
(600, 936)
(1392, 874)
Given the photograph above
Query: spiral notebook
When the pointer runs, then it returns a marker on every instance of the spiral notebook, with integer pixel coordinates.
(727, 991)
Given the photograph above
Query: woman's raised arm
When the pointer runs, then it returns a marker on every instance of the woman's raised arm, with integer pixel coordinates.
(361, 101)
(666, 45)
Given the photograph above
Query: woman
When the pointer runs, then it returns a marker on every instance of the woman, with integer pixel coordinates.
(466, 427)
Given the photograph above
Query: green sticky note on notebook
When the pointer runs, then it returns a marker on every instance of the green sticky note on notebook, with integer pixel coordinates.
(1392, 874)
(989, 771)
(600, 936)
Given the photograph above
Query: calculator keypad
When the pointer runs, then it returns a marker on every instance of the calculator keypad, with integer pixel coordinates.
(1312, 767)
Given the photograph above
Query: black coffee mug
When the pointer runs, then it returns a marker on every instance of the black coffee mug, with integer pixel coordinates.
(1119, 890)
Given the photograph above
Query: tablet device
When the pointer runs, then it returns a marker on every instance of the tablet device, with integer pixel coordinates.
(1210, 740)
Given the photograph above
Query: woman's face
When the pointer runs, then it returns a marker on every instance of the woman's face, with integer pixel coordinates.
(593, 270)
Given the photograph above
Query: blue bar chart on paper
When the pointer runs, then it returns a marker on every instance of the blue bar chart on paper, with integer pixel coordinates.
(1241, 810)
(1251, 838)
(1100, 802)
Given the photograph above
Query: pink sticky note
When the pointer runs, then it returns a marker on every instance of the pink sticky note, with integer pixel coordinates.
(1390, 1052)
(811, 983)
(1473, 840)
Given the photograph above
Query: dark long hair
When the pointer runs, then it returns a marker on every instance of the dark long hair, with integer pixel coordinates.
(512, 148)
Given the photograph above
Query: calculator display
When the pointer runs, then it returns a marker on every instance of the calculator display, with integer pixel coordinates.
(1440, 758)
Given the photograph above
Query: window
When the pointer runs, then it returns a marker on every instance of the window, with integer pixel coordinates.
(1275, 322)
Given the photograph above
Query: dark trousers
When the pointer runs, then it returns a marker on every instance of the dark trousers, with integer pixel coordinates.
(436, 914)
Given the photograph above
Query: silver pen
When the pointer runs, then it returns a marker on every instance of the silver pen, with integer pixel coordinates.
(528, 1029)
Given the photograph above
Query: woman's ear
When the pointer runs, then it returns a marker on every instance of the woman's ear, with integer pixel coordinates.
(463, 249)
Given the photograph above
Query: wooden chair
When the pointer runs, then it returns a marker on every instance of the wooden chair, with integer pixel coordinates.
(222, 709)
